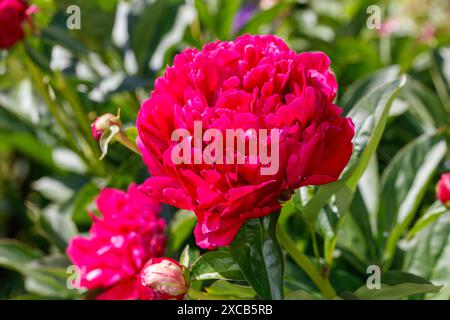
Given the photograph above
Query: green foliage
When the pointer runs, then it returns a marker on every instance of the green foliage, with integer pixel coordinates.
(259, 256)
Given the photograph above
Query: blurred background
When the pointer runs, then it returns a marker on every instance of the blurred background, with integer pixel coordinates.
(57, 81)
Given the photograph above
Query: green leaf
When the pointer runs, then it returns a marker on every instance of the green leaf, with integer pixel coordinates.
(404, 183)
(397, 285)
(48, 282)
(57, 225)
(421, 98)
(432, 214)
(230, 291)
(364, 86)
(185, 258)
(327, 225)
(353, 240)
(216, 265)
(15, 255)
(53, 189)
(370, 116)
(259, 255)
(29, 146)
(369, 186)
(147, 24)
(204, 15)
(60, 36)
(82, 200)
(97, 22)
(227, 12)
(429, 254)
(180, 229)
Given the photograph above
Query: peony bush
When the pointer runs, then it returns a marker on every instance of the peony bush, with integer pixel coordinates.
(254, 154)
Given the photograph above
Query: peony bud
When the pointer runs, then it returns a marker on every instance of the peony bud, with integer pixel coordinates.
(443, 189)
(165, 276)
(103, 123)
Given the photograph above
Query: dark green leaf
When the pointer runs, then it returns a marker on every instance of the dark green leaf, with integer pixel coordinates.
(397, 285)
(147, 24)
(216, 265)
(369, 115)
(258, 253)
(180, 229)
(404, 183)
(429, 255)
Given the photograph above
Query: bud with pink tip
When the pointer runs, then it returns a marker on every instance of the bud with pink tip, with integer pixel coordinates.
(165, 276)
(443, 189)
(103, 123)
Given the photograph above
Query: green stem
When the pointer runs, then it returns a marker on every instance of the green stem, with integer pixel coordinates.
(123, 140)
(314, 241)
(304, 263)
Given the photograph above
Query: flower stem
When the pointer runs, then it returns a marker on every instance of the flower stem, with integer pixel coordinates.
(314, 241)
(123, 140)
(303, 262)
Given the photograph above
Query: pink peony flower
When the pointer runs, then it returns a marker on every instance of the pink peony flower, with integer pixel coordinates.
(443, 189)
(128, 233)
(253, 82)
(13, 15)
(165, 277)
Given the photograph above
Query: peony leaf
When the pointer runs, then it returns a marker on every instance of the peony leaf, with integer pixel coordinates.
(432, 214)
(259, 255)
(226, 15)
(403, 186)
(396, 285)
(216, 265)
(429, 254)
(48, 282)
(370, 116)
(184, 258)
(364, 86)
(180, 229)
(147, 25)
(227, 290)
(57, 225)
(15, 255)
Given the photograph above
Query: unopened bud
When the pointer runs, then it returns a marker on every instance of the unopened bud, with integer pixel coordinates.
(443, 189)
(165, 276)
(103, 123)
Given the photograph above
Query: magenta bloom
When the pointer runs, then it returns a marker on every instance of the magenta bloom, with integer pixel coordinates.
(14, 14)
(443, 189)
(253, 82)
(128, 233)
